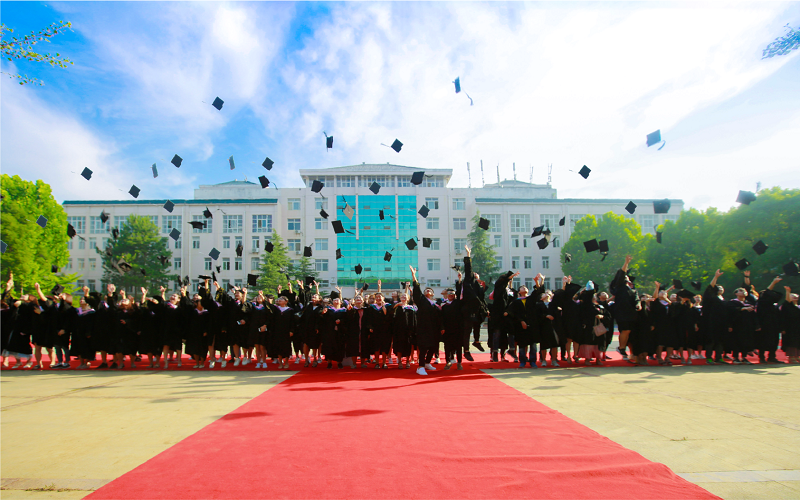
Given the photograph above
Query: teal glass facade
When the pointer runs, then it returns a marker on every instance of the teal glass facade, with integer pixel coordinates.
(375, 238)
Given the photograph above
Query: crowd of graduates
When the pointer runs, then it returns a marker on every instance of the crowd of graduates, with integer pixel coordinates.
(572, 324)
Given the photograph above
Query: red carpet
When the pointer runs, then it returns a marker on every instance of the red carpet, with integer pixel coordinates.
(392, 434)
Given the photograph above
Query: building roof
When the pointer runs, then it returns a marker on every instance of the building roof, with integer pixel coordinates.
(266, 201)
(514, 183)
(232, 183)
(379, 167)
(568, 200)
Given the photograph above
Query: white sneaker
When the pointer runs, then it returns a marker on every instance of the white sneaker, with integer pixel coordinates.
(211, 363)
(555, 363)
(236, 362)
(429, 367)
(421, 371)
(245, 361)
(435, 361)
(258, 365)
(297, 360)
(224, 363)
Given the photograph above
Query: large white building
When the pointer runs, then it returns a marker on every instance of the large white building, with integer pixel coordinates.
(245, 213)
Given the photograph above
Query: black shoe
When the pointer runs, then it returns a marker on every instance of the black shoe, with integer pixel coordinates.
(468, 356)
(494, 357)
(330, 364)
(102, 365)
(113, 365)
(478, 346)
(341, 366)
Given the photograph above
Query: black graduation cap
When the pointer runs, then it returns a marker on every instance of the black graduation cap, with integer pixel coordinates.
(109, 251)
(760, 247)
(591, 245)
(239, 249)
(54, 268)
(169, 206)
(456, 267)
(307, 251)
(328, 141)
(264, 181)
(214, 253)
(571, 289)
(177, 160)
(742, 264)
(309, 280)
(416, 178)
(219, 269)
(630, 207)
(677, 284)
(397, 145)
(375, 188)
(86, 174)
(791, 269)
(218, 103)
(654, 138)
(337, 226)
(213, 276)
(71, 231)
(381, 215)
(186, 281)
(411, 244)
(542, 244)
(207, 214)
(537, 231)
(231, 288)
(323, 214)
(134, 191)
(163, 259)
(567, 258)
(658, 236)
(745, 197)
(144, 273)
(562, 221)
(198, 224)
(338, 253)
(231, 163)
(3, 246)
(42, 221)
(269, 247)
(155, 171)
(124, 266)
(458, 84)
(685, 294)
(483, 224)
(697, 285)
(661, 206)
(358, 269)
(204, 277)
(175, 234)
(426, 242)
(584, 171)
(387, 257)
(268, 163)
(603, 244)
(115, 233)
(252, 279)
(104, 217)
(423, 211)
(317, 186)
(57, 290)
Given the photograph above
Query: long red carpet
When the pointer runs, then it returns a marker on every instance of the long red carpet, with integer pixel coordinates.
(392, 434)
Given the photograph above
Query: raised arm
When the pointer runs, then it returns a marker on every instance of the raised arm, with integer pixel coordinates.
(658, 287)
(39, 292)
(788, 297)
(716, 277)
(379, 286)
(774, 282)
(628, 259)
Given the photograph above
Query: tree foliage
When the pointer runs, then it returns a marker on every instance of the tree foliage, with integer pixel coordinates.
(484, 260)
(783, 44)
(22, 48)
(140, 245)
(274, 267)
(32, 250)
(303, 268)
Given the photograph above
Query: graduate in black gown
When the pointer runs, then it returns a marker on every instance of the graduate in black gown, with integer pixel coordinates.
(196, 343)
(378, 318)
(83, 332)
(333, 330)
(429, 324)
(715, 316)
(769, 317)
(149, 338)
(284, 327)
(545, 316)
(499, 327)
(172, 318)
(403, 324)
(625, 302)
(453, 323)
(65, 324)
(664, 328)
(125, 336)
(742, 326)
(790, 323)
(356, 343)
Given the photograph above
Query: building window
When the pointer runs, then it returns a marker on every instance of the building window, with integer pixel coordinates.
(500, 262)
(529, 283)
(237, 240)
(153, 219)
(294, 203)
(403, 181)
(433, 283)
(432, 203)
(648, 223)
(178, 243)
(527, 263)
(255, 263)
(520, 223)
(96, 225)
(195, 242)
(549, 221)
(207, 222)
(459, 203)
(225, 284)
(81, 244)
(498, 241)
(432, 223)
(324, 283)
(320, 204)
(195, 286)
(434, 264)
(69, 244)
(321, 244)
(673, 218)
(176, 263)
(459, 244)
(320, 224)
(525, 242)
(256, 243)
(237, 283)
(207, 263)
(559, 283)
(515, 241)
(345, 181)
(226, 264)
(81, 264)
(460, 223)
(226, 242)
(293, 224)
(232, 223)
(573, 219)
(547, 283)
(515, 283)
(262, 224)
(384, 181)
(69, 264)
(321, 265)
(92, 285)
(514, 262)
(120, 220)
(294, 245)
(434, 181)
(545, 262)
(237, 264)
(81, 284)
(494, 222)
(434, 243)
(555, 242)
(79, 223)
(92, 264)
(170, 222)
(92, 243)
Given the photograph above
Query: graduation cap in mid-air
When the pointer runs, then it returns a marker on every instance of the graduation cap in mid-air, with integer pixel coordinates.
(231, 163)
(87, 174)
(697, 285)
(328, 141)
(685, 294)
(71, 231)
(144, 273)
(653, 138)
(338, 253)
(348, 211)
(155, 171)
(791, 269)
(411, 244)
(483, 224)
(591, 245)
(375, 188)
(175, 234)
(169, 206)
(267, 163)
(397, 146)
(746, 197)
(661, 206)
(124, 266)
(57, 290)
(585, 171)
(252, 279)
(416, 178)
(658, 236)
(537, 231)
(458, 84)
(42, 221)
(115, 233)
(387, 257)
(214, 253)
(760, 247)
(323, 214)
(186, 281)
(213, 276)
(423, 211)
(307, 251)
(219, 269)
(177, 160)
(742, 264)
(207, 214)
(677, 284)
(269, 247)
(338, 228)
(239, 249)
(567, 257)
(54, 268)
(542, 244)
(264, 181)
(562, 221)
(134, 191)
(163, 259)
(603, 245)
(381, 215)
(630, 207)
(204, 277)
(358, 269)
(104, 217)
(317, 186)
(218, 103)
(230, 288)
(426, 242)
(197, 224)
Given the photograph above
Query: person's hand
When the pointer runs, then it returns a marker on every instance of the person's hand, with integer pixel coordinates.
(61, 332)
(291, 334)
(36, 286)
(261, 293)
(162, 289)
(379, 282)
(746, 273)
(122, 321)
(658, 285)
(85, 290)
(718, 273)
(111, 288)
(549, 317)
(468, 250)
(280, 287)
(144, 291)
(515, 275)
(628, 259)
(505, 314)
(788, 288)
(777, 279)
(459, 276)
(338, 321)
(244, 290)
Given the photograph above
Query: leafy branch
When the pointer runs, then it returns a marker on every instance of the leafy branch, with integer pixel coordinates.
(784, 44)
(22, 48)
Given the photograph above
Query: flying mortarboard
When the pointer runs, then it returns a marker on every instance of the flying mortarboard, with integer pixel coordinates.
(458, 84)
(591, 245)
(760, 247)
(411, 244)
(381, 215)
(231, 288)
(685, 294)
(653, 138)
(104, 217)
(175, 234)
(423, 211)
(677, 284)
(169, 206)
(337, 226)
(134, 191)
(307, 251)
(742, 264)
(658, 236)
(328, 141)
(397, 145)
(697, 285)
(252, 279)
(86, 174)
(42, 221)
(791, 269)
(661, 206)
(387, 257)
(323, 214)
(310, 280)
(57, 290)
(115, 233)
(317, 186)
(537, 231)
(204, 277)
(71, 231)
(338, 253)
(186, 281)
(745, 197)
(218, 103)
(567, 257)
(239, 249)
(483, 224)
(426, 242)
(213, 276)
(214, 253)
(348, 211)
(177, 160)
(542, 244)
(562, 221)
(416, 178)
(196, 224)
(219, 269)
(144, 273)
(268, 163)
(264, 181)
(207, 214)
(630, 207)
(230, 162)
(155, 171)
(163, 259)
(124, 266)
(54, 268)
(585, 171)
(358, 269)
(3, 246)
(375, 188)
(603, 244)
(269, 247)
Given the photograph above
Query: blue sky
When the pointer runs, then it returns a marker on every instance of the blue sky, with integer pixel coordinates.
(561, 83)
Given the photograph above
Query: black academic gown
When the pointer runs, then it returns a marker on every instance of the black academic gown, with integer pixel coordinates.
(429, 321)
(403, 324)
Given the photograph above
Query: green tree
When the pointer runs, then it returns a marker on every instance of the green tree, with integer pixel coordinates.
(274, 267)
(303, 268)
(22, 48)
(140, 245)
(624, 237)
(32, 250)
(484, 260)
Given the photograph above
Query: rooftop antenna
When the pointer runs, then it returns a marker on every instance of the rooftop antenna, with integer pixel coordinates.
(549, 173)
(531, 180)
(758, 186)
(514, 166)
(498, 173)
(469, 176)
(482, 181)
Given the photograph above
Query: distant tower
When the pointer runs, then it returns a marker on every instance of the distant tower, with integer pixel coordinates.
(469, 176)
(514, 167)
(483, 183)
(549, 174)
(498, 173)
(531, 179)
